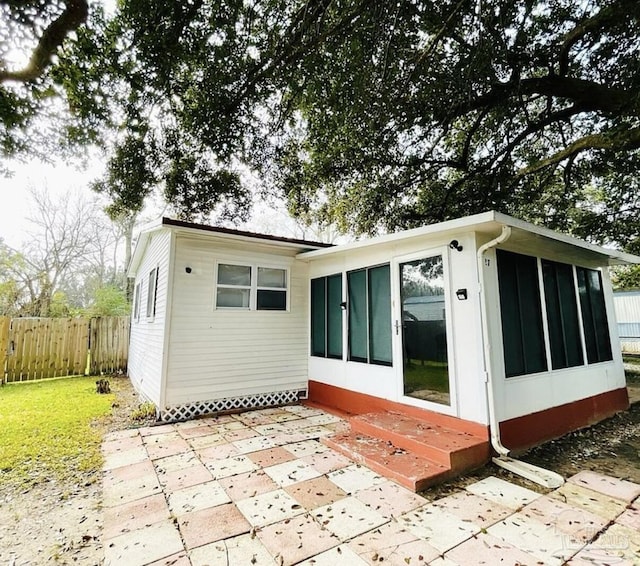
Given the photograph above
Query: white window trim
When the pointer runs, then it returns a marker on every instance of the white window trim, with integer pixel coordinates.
(136, 301)
(253, 288)
(156, 271)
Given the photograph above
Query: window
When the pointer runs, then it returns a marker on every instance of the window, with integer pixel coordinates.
(562, 315)
(152, 291)
(251, 287)
(369, 318)
(594, 315)
(522, 332)
(136, 302)
(526, 344)
(272, 289)
(326, 316)
(234, 286)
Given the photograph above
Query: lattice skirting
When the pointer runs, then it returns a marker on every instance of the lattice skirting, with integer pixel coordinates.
(192, 410)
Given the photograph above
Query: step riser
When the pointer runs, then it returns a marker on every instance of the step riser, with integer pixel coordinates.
(409, 444)
(463, 459)
(414, 484)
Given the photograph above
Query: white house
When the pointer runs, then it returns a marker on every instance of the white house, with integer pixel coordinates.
(486, 324)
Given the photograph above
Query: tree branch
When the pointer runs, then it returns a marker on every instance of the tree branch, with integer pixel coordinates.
(612, 141)
(591, 96)
(598, 21)
(71, 18)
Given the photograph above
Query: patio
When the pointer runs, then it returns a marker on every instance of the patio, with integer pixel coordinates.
(260, 488)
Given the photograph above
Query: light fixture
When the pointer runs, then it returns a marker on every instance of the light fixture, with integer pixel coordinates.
(455, 245)
(461, 294)
(343, 305)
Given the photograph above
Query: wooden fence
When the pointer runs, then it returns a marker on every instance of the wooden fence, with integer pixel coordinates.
(40, 348)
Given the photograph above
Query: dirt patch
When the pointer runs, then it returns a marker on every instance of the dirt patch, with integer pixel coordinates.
(61, 523)
(55, 523)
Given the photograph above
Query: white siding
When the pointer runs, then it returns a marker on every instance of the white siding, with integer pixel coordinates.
(215, 354)
(147, 334)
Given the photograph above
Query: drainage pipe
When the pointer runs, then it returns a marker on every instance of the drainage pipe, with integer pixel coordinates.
(494, 425)
(546, 478)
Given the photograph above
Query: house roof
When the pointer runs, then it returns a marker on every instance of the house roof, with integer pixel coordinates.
(528, 237)
(227, 233)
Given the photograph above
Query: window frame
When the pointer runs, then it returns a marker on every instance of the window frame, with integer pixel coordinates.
(152, 293)
(368, 310)
(253, 288)
(326, 332)
(542, 300)
(136, 301)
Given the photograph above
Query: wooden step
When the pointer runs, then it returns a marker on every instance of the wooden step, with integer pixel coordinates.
(453, 449)
(409, 470)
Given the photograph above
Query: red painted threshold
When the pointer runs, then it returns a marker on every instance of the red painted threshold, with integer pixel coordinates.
(343, 401)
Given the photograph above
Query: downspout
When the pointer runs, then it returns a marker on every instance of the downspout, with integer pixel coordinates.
(536, 474)
(494, 425)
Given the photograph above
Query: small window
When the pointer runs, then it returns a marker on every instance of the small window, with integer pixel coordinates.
(272, 289)
(250, 287)
(136, 302)
(234, 286)
(152, 291)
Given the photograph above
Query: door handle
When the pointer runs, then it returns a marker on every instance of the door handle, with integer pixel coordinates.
(397, 325)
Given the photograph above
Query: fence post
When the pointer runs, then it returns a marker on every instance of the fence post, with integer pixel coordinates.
(5, 322)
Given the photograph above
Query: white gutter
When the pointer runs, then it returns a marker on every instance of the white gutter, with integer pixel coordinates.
(538, 475)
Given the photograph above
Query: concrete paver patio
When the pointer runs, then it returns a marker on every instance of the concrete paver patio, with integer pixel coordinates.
(259, 488)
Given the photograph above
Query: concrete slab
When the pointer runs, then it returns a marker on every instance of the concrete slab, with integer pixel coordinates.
(230, 466)
(197, 497)
(355, 478)
(472, 508)
(134, 515)
(440, 529)
(619, 489)
(212, 524)
(582, 498)
(486, 549)
(389, 499)
(269, 507)
(248, 484)
(502, 492)
(292, 540)
(291, 472)
(142, 546)
(348, 518)
(243, 549)
(315, 492)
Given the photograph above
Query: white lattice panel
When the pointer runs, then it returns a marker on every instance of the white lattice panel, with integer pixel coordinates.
(192, 410)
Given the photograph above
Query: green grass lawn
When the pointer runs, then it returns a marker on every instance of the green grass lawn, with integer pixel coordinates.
(426, 375)
(48, 430)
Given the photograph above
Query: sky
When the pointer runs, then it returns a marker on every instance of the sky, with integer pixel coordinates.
(15, 206)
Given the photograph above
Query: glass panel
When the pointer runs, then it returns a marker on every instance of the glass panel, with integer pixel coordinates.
(234, 275)
(318, 326)
(268, 277)
(521, 314)
(151, 293)
(380, 315)
(424, 330)
(232, 298)
(594, 315)
(268, 300)
(357, 289)
(562, 315)
(334, 316)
